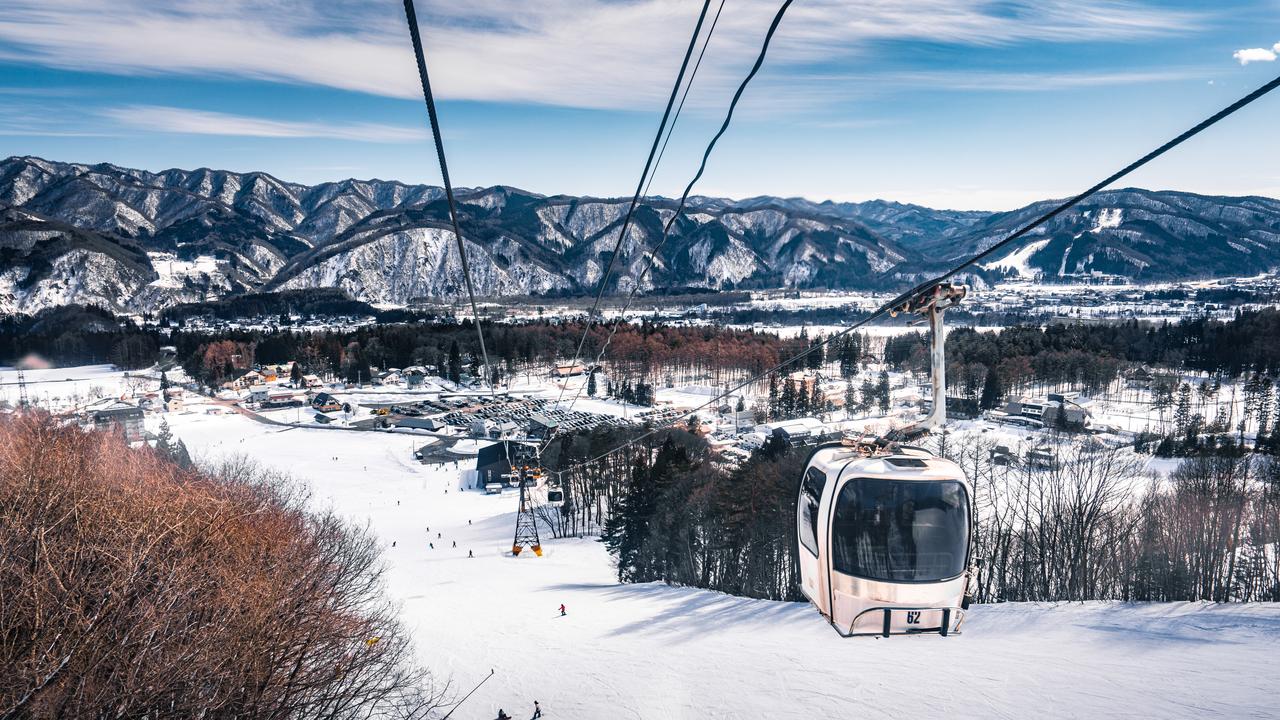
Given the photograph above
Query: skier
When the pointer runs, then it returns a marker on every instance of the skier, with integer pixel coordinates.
(469, 554)
(537, 709)
(455, 543)
(439, 535)
(393, 543)
(433, 545)
(562, 612)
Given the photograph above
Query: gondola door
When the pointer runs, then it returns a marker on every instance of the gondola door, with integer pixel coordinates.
(811, 531)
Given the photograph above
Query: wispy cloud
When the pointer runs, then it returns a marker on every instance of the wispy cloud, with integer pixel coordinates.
(201, 122)
(1248, 55)
(583, 53)
(1031, 82)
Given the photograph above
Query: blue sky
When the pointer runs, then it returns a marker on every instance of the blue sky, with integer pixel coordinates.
(949, 103)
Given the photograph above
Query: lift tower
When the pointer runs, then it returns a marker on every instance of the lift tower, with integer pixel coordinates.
(23, 401)
(526, 524)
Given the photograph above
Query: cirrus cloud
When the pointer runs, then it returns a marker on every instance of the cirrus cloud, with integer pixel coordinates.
(577, 53)
(202, 122)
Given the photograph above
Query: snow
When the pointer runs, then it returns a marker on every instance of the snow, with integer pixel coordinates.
(1017, 260)
(1108, 218)
(652, 651)
(173, 271)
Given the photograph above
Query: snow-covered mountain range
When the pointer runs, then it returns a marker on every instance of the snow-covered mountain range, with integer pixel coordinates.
(135, 240)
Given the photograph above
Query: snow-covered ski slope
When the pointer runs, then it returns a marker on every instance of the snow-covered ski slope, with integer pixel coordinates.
(651, 651)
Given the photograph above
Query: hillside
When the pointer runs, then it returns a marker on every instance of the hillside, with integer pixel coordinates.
(134, 240)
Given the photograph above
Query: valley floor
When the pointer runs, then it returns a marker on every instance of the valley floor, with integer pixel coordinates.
(652, 651)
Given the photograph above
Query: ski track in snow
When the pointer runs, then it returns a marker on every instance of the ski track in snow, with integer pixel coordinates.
(653, 651)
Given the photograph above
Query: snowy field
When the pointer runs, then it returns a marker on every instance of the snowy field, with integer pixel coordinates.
(651, 651)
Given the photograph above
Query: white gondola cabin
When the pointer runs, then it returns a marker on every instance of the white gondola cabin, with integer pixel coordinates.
(884, 540)
(884, 527)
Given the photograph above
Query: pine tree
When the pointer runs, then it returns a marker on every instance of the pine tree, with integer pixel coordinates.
(295, 375)
(882, 391)
(591, 384)
(787, 402)
(992, 390)
(164, 440)
(850, 398)
(1182, 413)
(455, 362)
(164, 381)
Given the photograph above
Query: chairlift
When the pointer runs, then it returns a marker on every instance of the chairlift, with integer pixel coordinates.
(884, 527)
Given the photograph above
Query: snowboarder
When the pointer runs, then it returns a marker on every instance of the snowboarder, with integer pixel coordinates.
(562, 612)
(433, 545)
(393, 543)
(468, 522)
(469, 554)
(439, 535)
(502, 715)
(537, 709)
(455, 543)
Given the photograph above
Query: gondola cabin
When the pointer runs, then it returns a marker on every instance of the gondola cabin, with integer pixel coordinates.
(884, 540)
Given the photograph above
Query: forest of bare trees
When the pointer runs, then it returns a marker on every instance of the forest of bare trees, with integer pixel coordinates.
(130, 587)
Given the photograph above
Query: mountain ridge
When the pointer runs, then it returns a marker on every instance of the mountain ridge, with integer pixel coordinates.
(147, 240)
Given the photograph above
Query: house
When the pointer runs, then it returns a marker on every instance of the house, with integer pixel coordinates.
(121, 417)
(311, 381)
(173, 399)
(542, 425)
(801, 431)
(388, 377)
(569, 370)
(324, 402)
(258, 394)
(248, 380)
(281, 399)
(414, 379)
(743, 421)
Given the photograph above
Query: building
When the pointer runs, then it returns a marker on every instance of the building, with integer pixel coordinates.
(173, 399)
(491, 461)
(569, 370)
(801, 431)
(121, 417)
(324, 402)
(246, 381)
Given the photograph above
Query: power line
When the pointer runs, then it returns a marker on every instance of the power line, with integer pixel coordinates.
(412, 18)
(929, 284)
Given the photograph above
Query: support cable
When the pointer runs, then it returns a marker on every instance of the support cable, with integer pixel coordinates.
(412, 18)
(930, 284)
(635, 199)
(666, 230)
